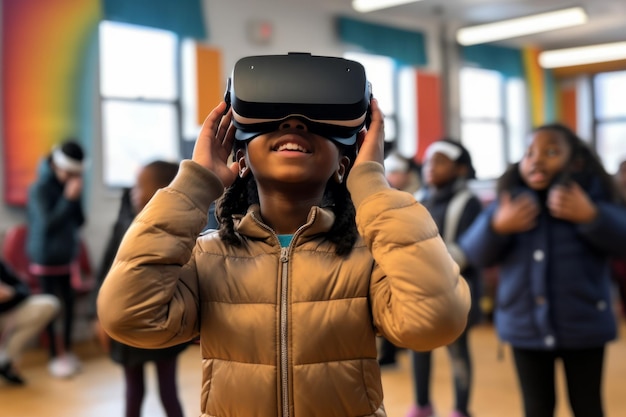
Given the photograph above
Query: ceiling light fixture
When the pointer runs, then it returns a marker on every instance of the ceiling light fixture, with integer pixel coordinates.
(365, 6)
(511, 28)
(583, 55)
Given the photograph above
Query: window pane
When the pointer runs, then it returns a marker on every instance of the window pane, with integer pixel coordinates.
(516, 118)
(134, 134)
(380, 71)
(481, 93)
(137, 62)
(611, 145)
(610, 90)
(484, 141)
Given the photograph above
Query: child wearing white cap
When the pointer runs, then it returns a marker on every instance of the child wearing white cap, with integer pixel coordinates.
(446, 168)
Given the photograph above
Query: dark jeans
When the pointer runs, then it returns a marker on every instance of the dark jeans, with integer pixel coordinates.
(461, 368)
(61, 286)
(583, 373)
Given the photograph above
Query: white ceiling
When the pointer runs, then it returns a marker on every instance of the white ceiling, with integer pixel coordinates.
(606, 18)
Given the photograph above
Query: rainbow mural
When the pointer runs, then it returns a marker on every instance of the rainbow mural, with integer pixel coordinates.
(49, 51)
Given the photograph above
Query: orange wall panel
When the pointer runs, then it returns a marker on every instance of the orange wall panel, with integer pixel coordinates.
(567, 103)
(209, 81)
(429, 117)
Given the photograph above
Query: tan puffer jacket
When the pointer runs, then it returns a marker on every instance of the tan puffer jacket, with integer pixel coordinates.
(285, 332)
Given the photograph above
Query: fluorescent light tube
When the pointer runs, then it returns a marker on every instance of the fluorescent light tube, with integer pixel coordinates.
(583, 55)
(512, 28)
(365, 6)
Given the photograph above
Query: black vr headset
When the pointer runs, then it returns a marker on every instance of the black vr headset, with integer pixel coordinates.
(331, 95)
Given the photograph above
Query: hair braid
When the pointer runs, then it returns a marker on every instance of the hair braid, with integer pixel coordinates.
(236, 200)
(343, 233)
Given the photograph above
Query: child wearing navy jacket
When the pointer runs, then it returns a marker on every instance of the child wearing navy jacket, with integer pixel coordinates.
(551, 232)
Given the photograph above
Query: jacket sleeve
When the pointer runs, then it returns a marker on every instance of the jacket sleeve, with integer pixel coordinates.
(482, 246)
(419, 299)
(58, 215)
(8, 277)
(470, 213)
(608, 231)
(150, 297)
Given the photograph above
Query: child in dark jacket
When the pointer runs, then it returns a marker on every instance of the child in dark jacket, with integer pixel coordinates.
(551, 232)
(151, 177)
(446, 169)
(55, 218)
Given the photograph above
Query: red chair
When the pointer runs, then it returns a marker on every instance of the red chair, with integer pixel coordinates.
(14, 254)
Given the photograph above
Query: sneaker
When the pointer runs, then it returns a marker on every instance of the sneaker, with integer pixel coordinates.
(10, 374)
(416, 411)
(73, 359)
(62, 367)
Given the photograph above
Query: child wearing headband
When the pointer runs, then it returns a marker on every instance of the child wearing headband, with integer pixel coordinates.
(315, 255)
(55, 216)
(446, 168)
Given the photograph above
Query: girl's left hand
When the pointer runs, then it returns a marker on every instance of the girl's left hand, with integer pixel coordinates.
(571, 203)
(372, 142)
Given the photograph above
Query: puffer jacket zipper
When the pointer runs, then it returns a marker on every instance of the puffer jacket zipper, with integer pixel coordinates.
(284, 317)
(284, 363)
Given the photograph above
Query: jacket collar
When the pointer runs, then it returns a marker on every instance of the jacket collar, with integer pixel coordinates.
(319, 221)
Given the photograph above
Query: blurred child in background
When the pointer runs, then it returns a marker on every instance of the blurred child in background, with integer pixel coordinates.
(55, 217)
(402, 174)
(551, 232)
(618, 265)
(151, 177)
(22, 316)
(446, 169)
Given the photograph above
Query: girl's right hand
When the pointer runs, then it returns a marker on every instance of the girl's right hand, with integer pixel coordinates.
(215, 143)
(515, 215)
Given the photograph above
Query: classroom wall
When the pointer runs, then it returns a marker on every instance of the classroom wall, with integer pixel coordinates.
(297, 26)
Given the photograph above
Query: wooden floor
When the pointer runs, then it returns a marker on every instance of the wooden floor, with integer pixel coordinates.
(97, 391)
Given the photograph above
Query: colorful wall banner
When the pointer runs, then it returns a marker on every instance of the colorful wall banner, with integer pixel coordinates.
(541, 88)
(46, 49)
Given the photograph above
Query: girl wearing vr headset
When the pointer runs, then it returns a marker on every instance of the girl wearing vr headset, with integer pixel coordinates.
(315, 254)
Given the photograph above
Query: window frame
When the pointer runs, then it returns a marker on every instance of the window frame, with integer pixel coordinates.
(174, 102)
(503, 121)
(598, 122)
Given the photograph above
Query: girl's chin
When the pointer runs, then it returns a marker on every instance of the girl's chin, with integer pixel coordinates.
(538, 186)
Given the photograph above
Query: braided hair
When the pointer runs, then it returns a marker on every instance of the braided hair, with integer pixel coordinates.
(243, 192)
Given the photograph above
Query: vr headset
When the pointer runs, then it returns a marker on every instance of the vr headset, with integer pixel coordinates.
(330, 95)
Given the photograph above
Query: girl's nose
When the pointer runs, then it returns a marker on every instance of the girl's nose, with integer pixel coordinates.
(293, 123)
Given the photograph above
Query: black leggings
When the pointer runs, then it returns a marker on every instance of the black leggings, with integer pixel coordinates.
(60, 286)
(583, 373)
(461, 365)
(168, 391)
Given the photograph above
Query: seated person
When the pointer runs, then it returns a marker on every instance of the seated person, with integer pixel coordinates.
(22, 316)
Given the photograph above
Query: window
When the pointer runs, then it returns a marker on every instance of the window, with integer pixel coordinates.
(610, 118)
(493, 120)
(393, 86)
(140, 99)
(380, 71)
